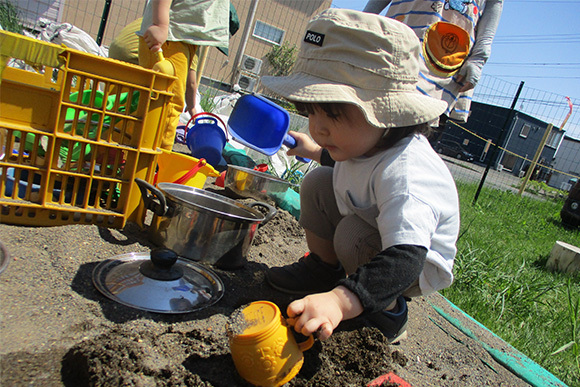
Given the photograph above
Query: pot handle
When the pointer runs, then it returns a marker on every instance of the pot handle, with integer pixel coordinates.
(271, 211)
(159, 207)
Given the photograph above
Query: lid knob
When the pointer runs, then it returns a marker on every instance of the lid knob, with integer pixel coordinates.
(161, 266)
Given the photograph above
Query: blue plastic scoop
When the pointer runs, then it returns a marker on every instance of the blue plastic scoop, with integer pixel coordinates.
(261, 125)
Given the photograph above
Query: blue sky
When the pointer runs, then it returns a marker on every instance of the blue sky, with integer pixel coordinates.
(537, 42)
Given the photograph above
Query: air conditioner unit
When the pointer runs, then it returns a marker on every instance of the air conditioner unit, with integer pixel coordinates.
(251, 64)
(247, 83)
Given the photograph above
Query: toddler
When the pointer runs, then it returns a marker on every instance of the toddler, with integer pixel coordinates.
(381, 214)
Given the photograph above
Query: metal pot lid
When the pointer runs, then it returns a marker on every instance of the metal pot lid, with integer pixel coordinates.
(158, 282)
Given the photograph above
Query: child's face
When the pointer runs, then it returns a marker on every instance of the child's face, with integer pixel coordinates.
(347, 136)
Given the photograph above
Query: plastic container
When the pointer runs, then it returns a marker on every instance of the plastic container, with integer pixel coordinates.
(22, 183)
(75, 134)
(263, 346)
(205, 139)
(182, 169)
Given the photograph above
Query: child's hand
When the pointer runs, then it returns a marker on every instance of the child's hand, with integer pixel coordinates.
(466, 85)
(468, 75)
(305, 147)
(155, 36)
(322, 312)
(315, 313)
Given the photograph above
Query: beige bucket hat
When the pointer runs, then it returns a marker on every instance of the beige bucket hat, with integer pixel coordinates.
(363, 59)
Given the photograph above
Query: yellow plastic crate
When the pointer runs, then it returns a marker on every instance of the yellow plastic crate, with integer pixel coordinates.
(74, 135)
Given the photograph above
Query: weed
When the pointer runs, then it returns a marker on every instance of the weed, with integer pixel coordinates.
(574, 315)
(543, 189)
(207, 101)
(282, 58)
(293, 170)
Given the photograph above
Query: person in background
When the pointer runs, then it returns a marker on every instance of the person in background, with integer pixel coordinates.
(125, 47)
(381, 215)
(178, 27)
(456, 37)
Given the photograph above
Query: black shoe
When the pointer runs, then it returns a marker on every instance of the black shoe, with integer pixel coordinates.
(309, 275)
(392, 324)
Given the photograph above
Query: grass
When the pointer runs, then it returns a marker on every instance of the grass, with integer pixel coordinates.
(501, 280)
(207, 102)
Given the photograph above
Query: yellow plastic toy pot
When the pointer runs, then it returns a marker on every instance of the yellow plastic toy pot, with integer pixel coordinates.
(182, 169)
(262, 345)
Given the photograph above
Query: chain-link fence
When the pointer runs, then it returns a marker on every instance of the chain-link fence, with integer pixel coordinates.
(515, 135)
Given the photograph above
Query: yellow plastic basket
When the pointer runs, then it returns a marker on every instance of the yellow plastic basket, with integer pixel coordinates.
(74, 134)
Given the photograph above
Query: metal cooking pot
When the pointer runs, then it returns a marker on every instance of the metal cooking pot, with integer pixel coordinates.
(250, 183)
(201, 225)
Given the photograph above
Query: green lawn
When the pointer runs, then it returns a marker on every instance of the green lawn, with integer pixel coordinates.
(501, 280)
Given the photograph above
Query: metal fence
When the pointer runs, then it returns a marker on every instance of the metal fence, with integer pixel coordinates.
(499, 162)
(548, 123)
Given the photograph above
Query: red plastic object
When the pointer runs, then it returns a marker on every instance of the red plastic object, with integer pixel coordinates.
(390, 379)
(261, 167)
(220, 181)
